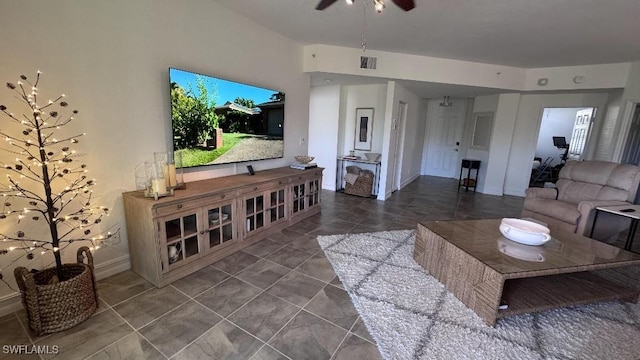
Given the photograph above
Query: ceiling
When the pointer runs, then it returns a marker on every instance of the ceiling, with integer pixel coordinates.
(520, 33)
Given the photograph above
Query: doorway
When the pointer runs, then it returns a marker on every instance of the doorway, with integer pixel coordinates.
(398, 138)
(444, 135)
(564, 135)
(631, 154)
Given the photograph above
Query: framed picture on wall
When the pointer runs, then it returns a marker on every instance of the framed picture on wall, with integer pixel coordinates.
(364, 129)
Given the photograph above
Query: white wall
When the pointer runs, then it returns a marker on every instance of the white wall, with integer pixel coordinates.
(487, 103)
(605, 142)
(412, 134)
(502, 140)
(111, 58)
(527, 126)
(324, 122)
(364, 96)
(555, 122)
(630, 97)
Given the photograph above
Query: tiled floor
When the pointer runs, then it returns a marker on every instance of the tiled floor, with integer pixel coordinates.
(278, 299)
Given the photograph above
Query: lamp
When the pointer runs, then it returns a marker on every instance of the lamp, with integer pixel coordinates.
(377, 4)
(446, 102)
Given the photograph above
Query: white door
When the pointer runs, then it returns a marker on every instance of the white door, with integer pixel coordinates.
(444, 135)
(397, 145)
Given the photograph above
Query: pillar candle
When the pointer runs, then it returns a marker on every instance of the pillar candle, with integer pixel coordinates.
(170, 175)
(159, 186)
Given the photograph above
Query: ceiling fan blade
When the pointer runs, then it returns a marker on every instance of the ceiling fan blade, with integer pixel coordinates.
(323, 4)
(405, 5)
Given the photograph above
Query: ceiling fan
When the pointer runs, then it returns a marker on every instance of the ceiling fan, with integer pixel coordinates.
(405, 5)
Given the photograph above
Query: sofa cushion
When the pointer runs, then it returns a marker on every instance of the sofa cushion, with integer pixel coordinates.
(560, 210)
(597, 180)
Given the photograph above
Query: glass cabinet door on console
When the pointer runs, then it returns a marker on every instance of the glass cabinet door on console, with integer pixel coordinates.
(254, 213)
(305, 195)
(314, 193)
(277, 206)
(179, 239)
(298, 195)
(219, 227)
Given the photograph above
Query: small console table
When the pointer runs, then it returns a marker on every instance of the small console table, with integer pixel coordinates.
(340, 171)
(631, 212)
(469, 164)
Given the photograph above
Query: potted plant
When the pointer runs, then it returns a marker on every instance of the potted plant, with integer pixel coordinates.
(46, 191)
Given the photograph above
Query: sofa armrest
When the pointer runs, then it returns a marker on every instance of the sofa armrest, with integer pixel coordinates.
(586, 209)
(542, 193)
(586, 206)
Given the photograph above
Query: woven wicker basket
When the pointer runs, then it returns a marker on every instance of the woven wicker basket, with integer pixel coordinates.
(363, 185)
(57, 307)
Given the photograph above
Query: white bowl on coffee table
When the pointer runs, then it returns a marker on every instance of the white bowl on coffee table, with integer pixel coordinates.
(524, 231)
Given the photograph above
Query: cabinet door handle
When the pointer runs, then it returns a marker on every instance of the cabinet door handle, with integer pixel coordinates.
(222, 196)
(255, 188)
(180, 206)
(201, 232)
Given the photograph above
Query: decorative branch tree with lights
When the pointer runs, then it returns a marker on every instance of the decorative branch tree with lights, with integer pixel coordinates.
(45, 186)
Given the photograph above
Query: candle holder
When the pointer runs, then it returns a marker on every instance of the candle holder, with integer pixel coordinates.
(165, 161)
(156, 185)
(177, 159)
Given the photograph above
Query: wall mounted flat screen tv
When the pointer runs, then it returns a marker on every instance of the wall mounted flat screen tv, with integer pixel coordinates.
(217, 121)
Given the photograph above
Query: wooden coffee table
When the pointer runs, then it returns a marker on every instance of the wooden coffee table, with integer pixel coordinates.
(482, 268)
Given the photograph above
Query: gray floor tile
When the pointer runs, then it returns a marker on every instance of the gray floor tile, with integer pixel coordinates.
(234, 263)
(296, 288)
(286, 236)
(224, 341)
(308, 337)
(130, 347)
(361, 330)
(263, 248)
(88, 337)
(354, 348)
(306, 243)
(289, 257)
(336, 282)
(200, 281)
(122, 286)
(150, 305)
(12, 333)
(264, 316)
(268, 353)
(335, 305)
(319, 267)
(228, 296)
(176, 329)
(263, 273)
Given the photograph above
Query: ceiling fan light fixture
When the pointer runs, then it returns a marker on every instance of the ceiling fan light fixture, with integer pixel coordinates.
(446, 102)
(378, 5)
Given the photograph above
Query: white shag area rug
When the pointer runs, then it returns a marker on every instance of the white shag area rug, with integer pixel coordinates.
(412, 316)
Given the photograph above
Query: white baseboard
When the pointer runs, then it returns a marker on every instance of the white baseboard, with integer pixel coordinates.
(408, 181)
(514, 192)
(112, 267)
(12, 302)
(491, 191)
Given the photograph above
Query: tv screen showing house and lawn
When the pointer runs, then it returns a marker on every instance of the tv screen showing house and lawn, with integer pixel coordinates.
(217, 121)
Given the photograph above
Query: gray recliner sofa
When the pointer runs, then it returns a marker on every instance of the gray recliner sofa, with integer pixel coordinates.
(581, 187)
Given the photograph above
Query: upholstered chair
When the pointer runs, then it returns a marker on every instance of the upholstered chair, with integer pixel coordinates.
(581, 187)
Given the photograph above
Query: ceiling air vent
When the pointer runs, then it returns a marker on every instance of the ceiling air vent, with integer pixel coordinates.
(368, 62)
